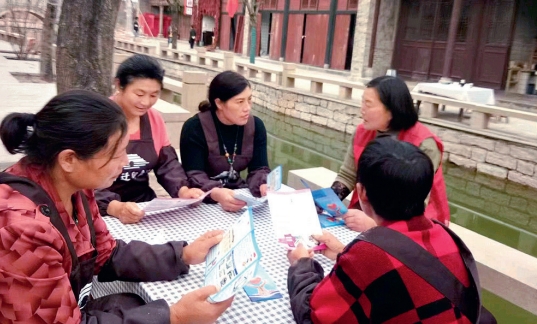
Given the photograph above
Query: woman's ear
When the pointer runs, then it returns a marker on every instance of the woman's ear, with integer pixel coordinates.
(219, 103)
(67, 160)
(117, 87)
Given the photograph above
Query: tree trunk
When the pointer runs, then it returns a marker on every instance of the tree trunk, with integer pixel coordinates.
(253, 41)
(46, 43)
(175, 28)
(85, 46)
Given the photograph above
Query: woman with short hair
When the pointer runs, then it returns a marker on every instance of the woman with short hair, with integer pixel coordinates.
(388, 110)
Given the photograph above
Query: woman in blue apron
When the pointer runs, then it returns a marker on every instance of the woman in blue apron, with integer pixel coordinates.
(223, 139)
(138, 84)
(53, 239)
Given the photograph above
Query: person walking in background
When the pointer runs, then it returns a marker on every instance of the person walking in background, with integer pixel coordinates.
(135, 26)
(192, 38)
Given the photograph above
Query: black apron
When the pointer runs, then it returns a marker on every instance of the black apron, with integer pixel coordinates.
(81, 271)
(217, 163)
(133, 183)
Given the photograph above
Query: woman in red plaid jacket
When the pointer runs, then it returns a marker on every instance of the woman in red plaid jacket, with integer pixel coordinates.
(367, 284)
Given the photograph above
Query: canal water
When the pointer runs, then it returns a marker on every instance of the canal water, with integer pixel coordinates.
(498, 209)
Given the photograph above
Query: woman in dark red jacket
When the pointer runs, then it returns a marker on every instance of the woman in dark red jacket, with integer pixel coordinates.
(375, 283)
(387, 110)
(53, 239)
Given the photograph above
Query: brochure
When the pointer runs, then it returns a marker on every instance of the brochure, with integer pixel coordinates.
(160, 204)
(250, 200)
(233, 262)
(327, 200)
(328, 220)
(294, 218)
(262, 287)
(274, 179)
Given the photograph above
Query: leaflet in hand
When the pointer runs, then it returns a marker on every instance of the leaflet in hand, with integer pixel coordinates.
(249, 199)
(159, 204)
(294, 218)
(233, 262)
(328, 220)
(327, 200)
(274, 179)
(262, 287)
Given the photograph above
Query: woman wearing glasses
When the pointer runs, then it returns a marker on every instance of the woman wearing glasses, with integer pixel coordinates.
(223, 139)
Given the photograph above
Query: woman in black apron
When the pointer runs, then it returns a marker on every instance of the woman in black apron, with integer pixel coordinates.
(138, 84)
(224, 139)
(53, 239)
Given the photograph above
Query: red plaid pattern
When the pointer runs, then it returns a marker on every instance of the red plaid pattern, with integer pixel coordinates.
(367, 285)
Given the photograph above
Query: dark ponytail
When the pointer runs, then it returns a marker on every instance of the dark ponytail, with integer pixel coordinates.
(79, 120)
(224, 86)
(205, 105)
(15, 130)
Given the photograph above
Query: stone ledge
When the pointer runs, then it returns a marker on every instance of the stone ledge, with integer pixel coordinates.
(504, 271)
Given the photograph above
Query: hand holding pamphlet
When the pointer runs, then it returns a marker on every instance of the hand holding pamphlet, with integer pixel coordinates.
(327, 199)
(160, 204)
(262, 287)
(233, 262)
(274, 179)
(250, 200)
(294, 218)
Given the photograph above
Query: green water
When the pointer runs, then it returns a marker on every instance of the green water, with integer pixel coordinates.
(498, 209)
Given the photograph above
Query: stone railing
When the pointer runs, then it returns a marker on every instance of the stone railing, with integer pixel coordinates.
(294, 93)
(480, 114)
(9, 37)
(504, 271)
(140, 47)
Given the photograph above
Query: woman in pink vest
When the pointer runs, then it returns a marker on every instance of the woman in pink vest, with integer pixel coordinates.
(388, 110)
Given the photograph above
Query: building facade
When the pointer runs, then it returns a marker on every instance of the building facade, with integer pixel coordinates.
(475, 40)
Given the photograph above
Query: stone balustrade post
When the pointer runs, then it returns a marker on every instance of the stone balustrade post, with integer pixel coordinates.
(228, 61)
(287, 80)
(194, 90)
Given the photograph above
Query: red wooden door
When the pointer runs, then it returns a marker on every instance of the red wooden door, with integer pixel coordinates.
(315, 39)
(495, 43)
(341, 39)
(293, 48)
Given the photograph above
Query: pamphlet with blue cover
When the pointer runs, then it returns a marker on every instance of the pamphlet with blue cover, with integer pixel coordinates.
(274, 183)
(233, 262)
(262, 287)
(274, 179)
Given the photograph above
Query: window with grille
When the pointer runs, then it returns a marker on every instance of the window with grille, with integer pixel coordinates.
(308, 4)
(270, 4)
(352, 4)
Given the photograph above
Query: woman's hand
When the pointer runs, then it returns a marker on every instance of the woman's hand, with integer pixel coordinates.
(263, 190)
(333, 245)
(298, 253)
(226, 199)
(358, 221)
(126, 212)
(186, 192)
(193, 307)
(195, 252)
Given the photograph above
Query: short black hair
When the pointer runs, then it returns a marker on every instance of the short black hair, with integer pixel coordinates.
(224, 86)
(397, 177)
(395, 96)
(139, 66)
(80, 120)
